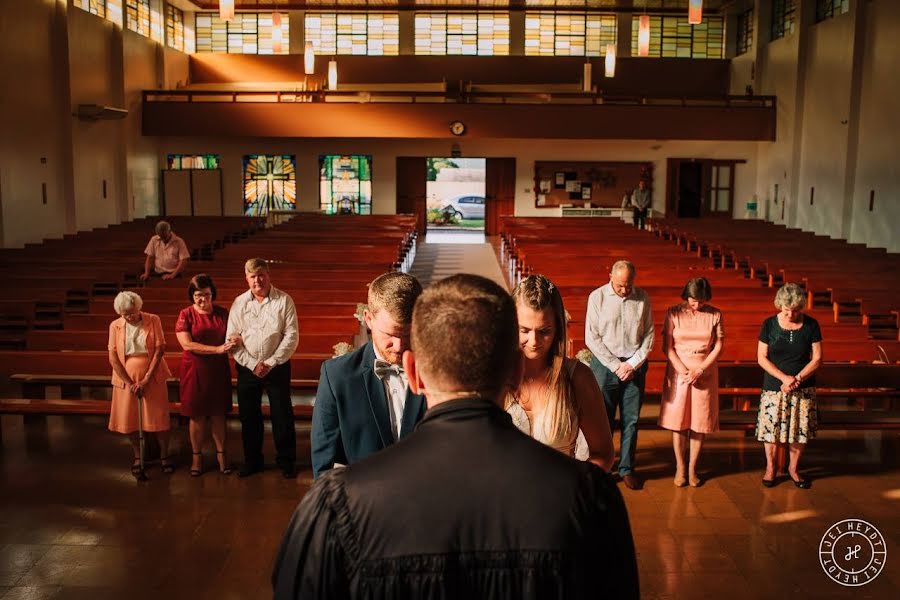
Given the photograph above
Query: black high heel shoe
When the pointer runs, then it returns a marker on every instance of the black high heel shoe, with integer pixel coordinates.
(197, 472)
(166, 465)
(803, 484)
(224, 469)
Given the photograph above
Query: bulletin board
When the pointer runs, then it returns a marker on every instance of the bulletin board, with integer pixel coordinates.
(587, 184)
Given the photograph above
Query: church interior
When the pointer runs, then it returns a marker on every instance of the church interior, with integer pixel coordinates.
(341, 139)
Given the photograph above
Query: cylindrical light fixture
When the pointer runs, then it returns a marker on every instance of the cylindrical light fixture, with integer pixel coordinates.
(587, 84)
(276, 33)
(226, 10)
(644, 36)
(309, 59)
(610, 60)
(332, 74)
(695, 12)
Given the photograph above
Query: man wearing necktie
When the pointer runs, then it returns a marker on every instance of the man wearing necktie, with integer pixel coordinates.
(364, 403)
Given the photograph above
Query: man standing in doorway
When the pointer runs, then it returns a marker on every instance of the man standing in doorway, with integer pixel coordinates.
(641, 201)
(619, 334)
(263, 325)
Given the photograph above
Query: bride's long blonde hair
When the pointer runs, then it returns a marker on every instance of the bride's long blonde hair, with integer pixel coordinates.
(537, 292)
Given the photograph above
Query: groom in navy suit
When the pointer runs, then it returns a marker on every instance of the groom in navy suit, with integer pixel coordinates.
(364, 403)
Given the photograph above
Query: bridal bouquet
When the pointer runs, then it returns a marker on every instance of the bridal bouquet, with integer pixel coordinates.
(342, 348)
(584, 355)
(360, 310)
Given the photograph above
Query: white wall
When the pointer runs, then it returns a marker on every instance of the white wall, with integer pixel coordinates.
(825, 110)
(836, 126)
(142, 71)
(878, 167)
(778, 78)
(33, 120)
(526, 152)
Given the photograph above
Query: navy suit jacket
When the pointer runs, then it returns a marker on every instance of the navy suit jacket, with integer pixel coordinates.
(351, 418)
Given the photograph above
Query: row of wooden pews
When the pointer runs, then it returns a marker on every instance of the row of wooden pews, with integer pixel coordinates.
(858, 284)
(325, 263)
(856, 387)
(62, 276)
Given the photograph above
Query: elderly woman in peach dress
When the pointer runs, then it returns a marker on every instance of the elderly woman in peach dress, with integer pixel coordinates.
(136, 347)
(692, 342)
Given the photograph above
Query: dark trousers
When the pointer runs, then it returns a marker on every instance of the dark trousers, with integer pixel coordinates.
(640, 217)
(277, 384)
(628, 397)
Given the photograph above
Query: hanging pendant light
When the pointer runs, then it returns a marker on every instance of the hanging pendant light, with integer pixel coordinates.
(276, 33)
(332, 74)
(226, 10)
(309, 59)
(644, 36)
(695, 12)
(610, 60)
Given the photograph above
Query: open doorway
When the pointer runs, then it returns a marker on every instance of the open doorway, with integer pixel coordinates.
(455, 197)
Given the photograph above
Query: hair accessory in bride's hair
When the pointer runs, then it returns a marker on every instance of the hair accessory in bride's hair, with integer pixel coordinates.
(549, 286)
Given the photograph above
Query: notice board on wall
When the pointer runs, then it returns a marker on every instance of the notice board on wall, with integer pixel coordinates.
(587, 184)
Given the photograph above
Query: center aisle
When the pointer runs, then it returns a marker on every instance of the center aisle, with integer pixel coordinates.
(444, 254)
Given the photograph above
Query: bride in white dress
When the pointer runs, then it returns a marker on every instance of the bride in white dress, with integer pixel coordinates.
(559, 402)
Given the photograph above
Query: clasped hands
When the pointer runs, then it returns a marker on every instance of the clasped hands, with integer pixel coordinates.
(625, 372)
(789, 384)
(690, 376)
(137, 387)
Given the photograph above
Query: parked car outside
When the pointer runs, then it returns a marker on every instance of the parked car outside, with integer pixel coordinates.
(465, 206)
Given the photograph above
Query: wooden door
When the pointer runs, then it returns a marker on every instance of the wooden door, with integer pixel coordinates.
(500, 193)
(411, 189)
(177, 193)
(206, 192)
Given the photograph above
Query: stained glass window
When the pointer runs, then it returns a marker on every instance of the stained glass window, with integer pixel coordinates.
(174, 27)
(137, 16)
(107, 9)
(782, 18)
(192, 161)
(270, 183)
(744, 32)
(247, 33)
(373, 34)
(568, 34)
(482, 34)
(827, 9)
(345, 184)
(672, 36)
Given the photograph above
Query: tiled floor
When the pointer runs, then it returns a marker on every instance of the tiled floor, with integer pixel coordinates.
(75, 524)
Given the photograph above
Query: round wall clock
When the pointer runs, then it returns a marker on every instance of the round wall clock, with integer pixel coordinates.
(457, 128)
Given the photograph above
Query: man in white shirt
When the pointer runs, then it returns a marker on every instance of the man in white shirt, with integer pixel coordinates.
(167, 254)
(263, 325)
(619, 334)
(364, 403)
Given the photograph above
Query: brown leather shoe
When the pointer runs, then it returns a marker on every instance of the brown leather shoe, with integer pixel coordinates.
(632, 481)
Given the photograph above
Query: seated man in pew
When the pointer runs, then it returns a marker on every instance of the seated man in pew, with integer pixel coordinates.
(167, 254)
(364, 402)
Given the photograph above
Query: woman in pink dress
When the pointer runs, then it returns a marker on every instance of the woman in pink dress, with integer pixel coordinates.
(205, 378)
(136, 354)
(692, 342)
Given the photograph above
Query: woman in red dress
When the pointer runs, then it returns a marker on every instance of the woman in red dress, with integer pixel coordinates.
(205, 378)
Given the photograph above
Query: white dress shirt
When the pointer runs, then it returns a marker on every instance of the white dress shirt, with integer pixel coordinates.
(395, 389)
(268, 329)
(166, 255)
(617, 329)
